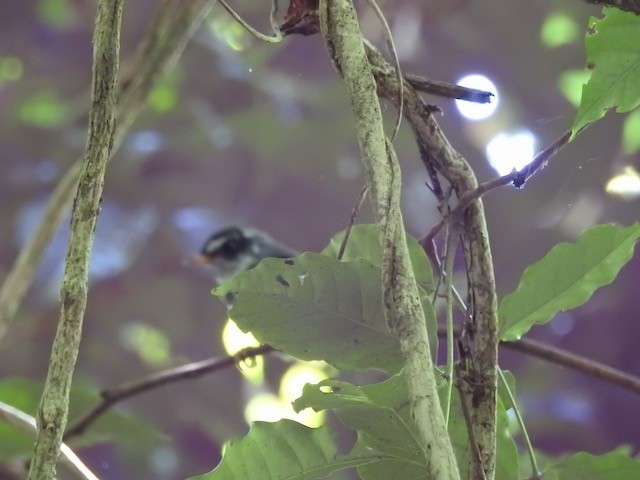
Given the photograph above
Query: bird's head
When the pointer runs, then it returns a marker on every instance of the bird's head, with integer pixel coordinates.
(235, 250)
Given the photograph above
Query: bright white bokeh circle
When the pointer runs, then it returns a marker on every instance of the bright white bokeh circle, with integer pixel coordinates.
(477, 111)
(507, 152)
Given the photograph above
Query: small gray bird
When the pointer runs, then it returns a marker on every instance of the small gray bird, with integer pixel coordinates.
(235, 250)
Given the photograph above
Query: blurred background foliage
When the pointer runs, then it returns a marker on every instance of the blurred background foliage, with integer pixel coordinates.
(242, 132)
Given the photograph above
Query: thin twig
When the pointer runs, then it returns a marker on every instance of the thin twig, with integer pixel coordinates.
(564, 358)
(396, 63)
(540, 160)
(523, 427)
(277, 34)
(447, 90)
(576, 362)
(518, 179)
(451, 244)
(26, 423)
(184, 372)
(548, 353)
(352, 219)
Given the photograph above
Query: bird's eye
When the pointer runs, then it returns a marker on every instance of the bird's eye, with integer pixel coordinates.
(230, 248)
(235, 247)
(223, 243)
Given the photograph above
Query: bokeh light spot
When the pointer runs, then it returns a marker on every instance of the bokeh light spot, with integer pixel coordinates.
(234, 341)
(558, 29)
(625, 185)
(44, 109)
(57, 13)
(149, 343)
(570, 84)
(507, 152)
(230, 32)
(11, 69)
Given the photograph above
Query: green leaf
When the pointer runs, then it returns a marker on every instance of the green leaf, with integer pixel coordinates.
(381, 415)
(284, 450)
(363, 243)
(610, 466)
(502, 389)
(25, 395)
(613, 53)
(315, 307)
(631, 132)
(566, 277)
(14, 442)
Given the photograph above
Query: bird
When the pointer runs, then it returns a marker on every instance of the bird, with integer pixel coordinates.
(234, 249)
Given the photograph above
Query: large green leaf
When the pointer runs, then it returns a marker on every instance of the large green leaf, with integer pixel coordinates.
(566, 277)
(315, 307)
(613, 53)
(381, 415)
(363, 242)
(610, 466)
(284, 450)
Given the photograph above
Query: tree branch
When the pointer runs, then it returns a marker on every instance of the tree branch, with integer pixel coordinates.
(183, 372)
(518, 179)
(160, 49)
(576, 362)
(447, 90)
(480, 337)
(403, 312)
(548, 353)
(54, 405)
(26, 423)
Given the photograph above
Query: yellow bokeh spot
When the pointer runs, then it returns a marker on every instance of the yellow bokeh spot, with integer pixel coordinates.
(268, 407)
(625, 185)
(298, 375)
(234, 341)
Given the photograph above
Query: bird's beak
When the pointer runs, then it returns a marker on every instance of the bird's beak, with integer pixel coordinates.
(203, 260)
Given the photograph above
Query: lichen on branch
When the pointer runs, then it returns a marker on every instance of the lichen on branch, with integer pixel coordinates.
(54, 405)
(404, 315)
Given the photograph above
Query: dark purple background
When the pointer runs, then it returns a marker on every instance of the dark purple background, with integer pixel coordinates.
(263, 137)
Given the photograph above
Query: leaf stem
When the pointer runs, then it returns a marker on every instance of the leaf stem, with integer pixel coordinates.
(525, 435)
(448, 270)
